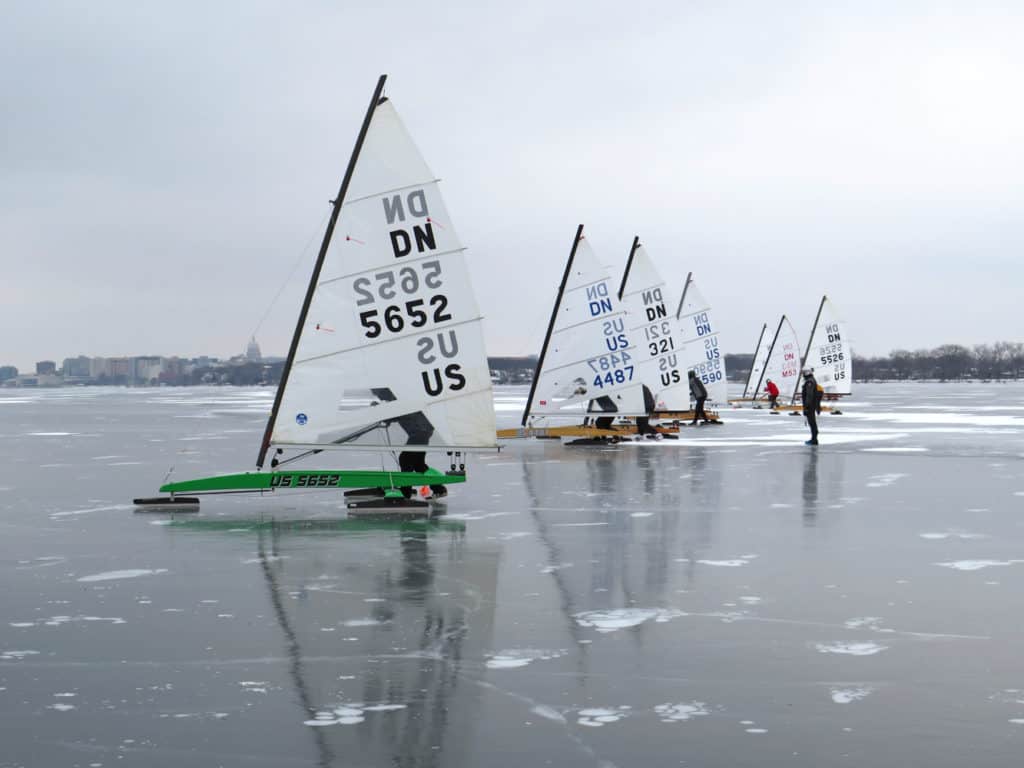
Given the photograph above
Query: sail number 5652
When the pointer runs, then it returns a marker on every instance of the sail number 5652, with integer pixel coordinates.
(388, 284)
(395, 317)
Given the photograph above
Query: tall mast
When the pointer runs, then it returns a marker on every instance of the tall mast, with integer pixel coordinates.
(764, 327)
(753, 395)
(629, 263)
(551, 324)
(682, 299)
(807, 349)
(311, 289)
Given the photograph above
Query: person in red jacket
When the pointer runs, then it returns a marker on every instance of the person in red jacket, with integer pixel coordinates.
(773, 392)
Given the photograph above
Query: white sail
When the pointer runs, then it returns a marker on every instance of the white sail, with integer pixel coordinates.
(588, 354)
(391, 352)
(702, 352)
(644, 296)
(783, 364)
(757, 364)
(828, 351)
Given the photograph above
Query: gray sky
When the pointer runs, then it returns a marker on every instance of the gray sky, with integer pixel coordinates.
(164, 164)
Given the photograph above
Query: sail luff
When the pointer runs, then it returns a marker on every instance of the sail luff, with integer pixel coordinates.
(314, 278)
(753, 362)
(807, 350)
(682, 299)
(551, 324)
(629, 263)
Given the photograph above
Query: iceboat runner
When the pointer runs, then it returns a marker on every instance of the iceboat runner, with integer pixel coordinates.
(388, 352)
(828, 354)
(588, 368)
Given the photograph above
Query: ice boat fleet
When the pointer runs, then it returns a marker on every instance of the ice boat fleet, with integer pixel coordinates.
(388, 356)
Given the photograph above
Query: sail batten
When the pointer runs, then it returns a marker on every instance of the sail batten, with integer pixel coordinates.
(367, 271)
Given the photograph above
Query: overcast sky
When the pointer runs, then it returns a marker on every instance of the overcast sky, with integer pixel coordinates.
(163, 165)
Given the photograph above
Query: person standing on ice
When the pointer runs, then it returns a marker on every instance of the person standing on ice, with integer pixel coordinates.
(700, 394)
(811, 397)
(773, 393)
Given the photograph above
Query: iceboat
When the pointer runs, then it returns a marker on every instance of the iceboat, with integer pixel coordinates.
(388, 351)
(782, 362)
(669, 347)
(828, 354)
(588, 367)
(700, 352)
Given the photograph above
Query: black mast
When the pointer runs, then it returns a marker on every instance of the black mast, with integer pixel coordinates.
(764, 327)
(629, 263)
(554, 316)
(807, 351)
(319, 265)
(753, 395)
(682, 299)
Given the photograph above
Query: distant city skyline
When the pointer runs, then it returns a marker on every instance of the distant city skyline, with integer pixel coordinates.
(870, 151)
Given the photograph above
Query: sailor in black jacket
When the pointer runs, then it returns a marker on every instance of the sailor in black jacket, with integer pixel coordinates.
(700, 394)
(811, 397)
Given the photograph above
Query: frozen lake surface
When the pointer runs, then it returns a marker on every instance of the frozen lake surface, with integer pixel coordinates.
(733, 598)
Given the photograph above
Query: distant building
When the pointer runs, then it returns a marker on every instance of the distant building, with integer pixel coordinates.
(99, 366)
(7, 372)
(44, 367)
(147, 369)
(77, 367)
(252, 351)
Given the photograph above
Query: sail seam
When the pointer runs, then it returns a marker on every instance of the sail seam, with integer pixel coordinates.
(389, 191)
(381, 267)
(588, 320)
(388, 341)
(586, 359)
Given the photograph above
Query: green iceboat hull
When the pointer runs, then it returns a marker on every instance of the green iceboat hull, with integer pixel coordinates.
(308, 479)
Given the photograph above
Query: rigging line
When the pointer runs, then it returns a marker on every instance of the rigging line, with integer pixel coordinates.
(291, 273)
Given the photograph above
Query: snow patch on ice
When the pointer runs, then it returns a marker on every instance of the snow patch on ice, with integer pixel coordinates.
(951, 534)
(677, 713)
(883, 481)
(612, 620)
(56, 621)
(725, 563)
(521, 657)
(349, 714)
(851, 649)
(367, 622)
(977, 565)
(16, 655)
(849, 695)
(595, 717)
(131, 573)
(548, 713)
